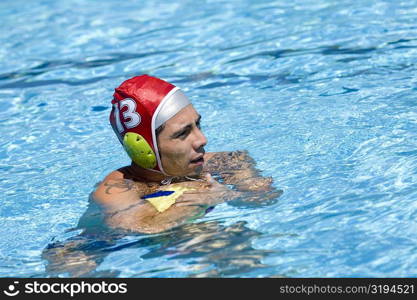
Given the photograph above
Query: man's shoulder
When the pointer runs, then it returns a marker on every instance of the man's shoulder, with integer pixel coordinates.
(116, 188)
(114, 175)
(123, 174)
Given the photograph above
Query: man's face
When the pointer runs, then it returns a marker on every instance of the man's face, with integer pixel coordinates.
(181, 143)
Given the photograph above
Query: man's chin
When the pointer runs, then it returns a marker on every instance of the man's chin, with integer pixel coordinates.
(196, 171)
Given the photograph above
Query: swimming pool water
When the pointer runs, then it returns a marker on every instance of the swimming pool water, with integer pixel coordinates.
(321, 93)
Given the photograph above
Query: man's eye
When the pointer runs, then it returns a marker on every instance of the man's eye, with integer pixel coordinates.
(182, 134)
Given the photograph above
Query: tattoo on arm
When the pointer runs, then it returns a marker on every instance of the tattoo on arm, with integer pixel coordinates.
(230, 161)
(124, 185)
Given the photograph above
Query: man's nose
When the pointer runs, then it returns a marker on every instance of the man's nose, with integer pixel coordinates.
(200, 140)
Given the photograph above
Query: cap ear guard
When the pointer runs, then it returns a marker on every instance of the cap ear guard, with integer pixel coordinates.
(139, 150)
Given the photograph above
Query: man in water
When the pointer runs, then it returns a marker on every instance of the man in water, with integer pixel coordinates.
(169, 181)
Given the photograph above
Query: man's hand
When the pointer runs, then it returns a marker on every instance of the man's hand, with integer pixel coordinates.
(213, 194)
(255, 184)
(237, 168)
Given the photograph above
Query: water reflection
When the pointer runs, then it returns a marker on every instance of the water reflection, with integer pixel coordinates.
(224, 250)
(216, 251)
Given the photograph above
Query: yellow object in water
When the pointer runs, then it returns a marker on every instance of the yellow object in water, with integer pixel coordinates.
(168, 196)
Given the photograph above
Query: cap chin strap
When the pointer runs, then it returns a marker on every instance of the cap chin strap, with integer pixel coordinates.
(169, 179)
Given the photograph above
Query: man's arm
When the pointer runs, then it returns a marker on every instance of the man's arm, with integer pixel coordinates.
(121, 201)
(239, 169)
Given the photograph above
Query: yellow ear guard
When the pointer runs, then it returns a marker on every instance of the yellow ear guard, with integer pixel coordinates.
(139, 150)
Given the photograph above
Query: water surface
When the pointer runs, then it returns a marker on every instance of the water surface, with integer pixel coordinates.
(321, 94)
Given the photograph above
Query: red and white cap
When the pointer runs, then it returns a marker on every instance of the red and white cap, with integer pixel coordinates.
(143, 103)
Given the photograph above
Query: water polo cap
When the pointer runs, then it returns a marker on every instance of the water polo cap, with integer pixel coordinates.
(140, 105)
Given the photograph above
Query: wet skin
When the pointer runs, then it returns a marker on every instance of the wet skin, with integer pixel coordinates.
(235, 169)
(181, 143)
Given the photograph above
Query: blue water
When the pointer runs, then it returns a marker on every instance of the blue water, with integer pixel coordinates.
(321, 93)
